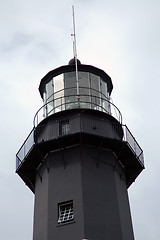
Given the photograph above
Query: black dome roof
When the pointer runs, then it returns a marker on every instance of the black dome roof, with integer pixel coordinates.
(73, 62)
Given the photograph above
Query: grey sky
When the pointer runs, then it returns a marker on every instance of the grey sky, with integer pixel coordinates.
(120, 37)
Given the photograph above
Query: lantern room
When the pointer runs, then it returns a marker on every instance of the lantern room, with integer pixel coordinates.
(61, 89)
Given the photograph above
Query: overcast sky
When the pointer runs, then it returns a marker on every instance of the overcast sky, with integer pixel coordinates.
(122, 37)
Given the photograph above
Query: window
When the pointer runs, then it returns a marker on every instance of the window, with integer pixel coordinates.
(65, 212)
(64, 127)
(59, 93)
(49, 98)
(70, 91)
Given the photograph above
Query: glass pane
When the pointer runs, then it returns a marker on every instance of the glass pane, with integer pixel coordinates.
(49, 93)
(103, 88)
(49, 90)
(44, 103)
(70, 91)
(84, 90)
(64, 128)
(59, 93)
(70, 83)
(95, 82)
(105, 97)
(95, 91)
(58, 83)
(65, 212)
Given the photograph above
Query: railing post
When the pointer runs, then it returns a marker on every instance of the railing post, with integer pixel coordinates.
(24, 151)
(134, 146)
(125, 133)
(37, 119)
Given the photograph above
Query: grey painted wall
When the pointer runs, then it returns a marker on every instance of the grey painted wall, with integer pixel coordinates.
(94, 180)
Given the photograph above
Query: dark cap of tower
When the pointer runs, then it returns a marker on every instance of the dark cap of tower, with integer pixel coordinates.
(73, 62)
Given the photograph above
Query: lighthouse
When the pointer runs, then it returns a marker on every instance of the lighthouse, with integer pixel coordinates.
(79, 159)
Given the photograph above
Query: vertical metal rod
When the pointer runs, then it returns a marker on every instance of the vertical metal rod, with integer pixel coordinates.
(24, 152)
(75, 50)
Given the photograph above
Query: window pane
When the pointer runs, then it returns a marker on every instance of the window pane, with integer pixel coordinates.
(65, 212)
(95, 91)
(84, 89)
(70, 91)
(49, 93)
(59, 93)
(64, 127)
(50, 90)
(104, 88)
(105, 97)
(44, 103)
(95, 82)
(70, 83)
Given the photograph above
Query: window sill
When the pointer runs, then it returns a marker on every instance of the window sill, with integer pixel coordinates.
(65, 223)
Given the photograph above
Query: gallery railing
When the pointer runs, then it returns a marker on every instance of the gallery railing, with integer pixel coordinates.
(65, 100)
(127, 137)
(25, 149)
(135, 147)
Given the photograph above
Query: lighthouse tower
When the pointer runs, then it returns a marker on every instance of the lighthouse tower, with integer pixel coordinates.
(79, 159)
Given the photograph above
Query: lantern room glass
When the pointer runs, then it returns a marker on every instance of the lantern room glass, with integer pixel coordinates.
(61, 93)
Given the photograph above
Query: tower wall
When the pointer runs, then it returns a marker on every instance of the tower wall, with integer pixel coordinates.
(41, 205)
(94, 180)
(106, 206)
(64, 184)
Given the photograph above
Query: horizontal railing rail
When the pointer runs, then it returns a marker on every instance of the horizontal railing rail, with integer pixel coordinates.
(130, 139)
(25, 148)
(71, 101)
(92, 91)
(30, 140)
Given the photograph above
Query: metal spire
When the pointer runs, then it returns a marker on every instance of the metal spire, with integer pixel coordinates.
(75, 49)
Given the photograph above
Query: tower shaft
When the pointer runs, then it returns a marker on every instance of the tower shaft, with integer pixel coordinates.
(94, 182)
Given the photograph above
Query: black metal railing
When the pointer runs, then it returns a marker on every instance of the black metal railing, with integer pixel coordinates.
(74, 128)
(25, 149)
(130, 139)
(95, 100)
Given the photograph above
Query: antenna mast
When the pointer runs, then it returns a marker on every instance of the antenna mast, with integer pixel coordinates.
(75, 50)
